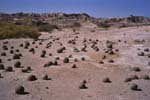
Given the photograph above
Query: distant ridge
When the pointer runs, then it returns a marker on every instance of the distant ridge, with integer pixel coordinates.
(63, 20)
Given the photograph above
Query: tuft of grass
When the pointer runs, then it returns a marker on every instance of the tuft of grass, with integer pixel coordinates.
(10, 30)
(104, 25)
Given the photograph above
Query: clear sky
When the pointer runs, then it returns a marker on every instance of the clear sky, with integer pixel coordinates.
(97, 8)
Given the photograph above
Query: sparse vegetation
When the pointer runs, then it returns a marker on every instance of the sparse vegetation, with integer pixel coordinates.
(145, 77)
(32, 78)
(20, 90)
(10, 30)
(106, 80)
(136, 69)
(134, 87)
(17, 64)
(83, 85)
(2, 67)
(66, 60)
(9, 69)
(16, 56)
(45, 77)
(128, 80)
(104, 25)
(46, 27)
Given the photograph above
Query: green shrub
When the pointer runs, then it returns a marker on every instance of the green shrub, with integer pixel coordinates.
(10, 30)
(75, 25)
(47, 27)
(104, 25)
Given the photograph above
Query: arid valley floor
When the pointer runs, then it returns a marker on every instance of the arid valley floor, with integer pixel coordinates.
(103, 64)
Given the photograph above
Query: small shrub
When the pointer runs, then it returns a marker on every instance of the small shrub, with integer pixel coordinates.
(32, 50)
(20, 90)
(104, 25)
(111, 61)
(50, 63)
(128, 80)
(17, 64)
(75, 60)
(106, 80)
(76, 24)
(1, 76)
(145, 77)
(32, 78)
(134, 77)
(0, 60)
(136, 69)
(83, 59)
(3, 54)
(101, 62)
(2, 67)
(16, 56)
(66, 60)
(11, 51)
(5, 47)
(141, 54)
(134, 87)
(43, 53)
(61, 50)
(146, 49)
(45, 77)
(83, 85)
(45, 27)
(9, 69)
(74, 66)
(26, 70)
(55, 63)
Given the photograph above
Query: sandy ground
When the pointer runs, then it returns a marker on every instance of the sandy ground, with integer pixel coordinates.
(66, 80)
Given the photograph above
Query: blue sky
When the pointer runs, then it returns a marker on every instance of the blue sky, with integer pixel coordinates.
(97, 8)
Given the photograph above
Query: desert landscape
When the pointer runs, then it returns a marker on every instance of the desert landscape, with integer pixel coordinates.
(94, 59)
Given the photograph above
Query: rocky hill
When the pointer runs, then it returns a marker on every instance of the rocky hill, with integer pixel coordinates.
(70, 20)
